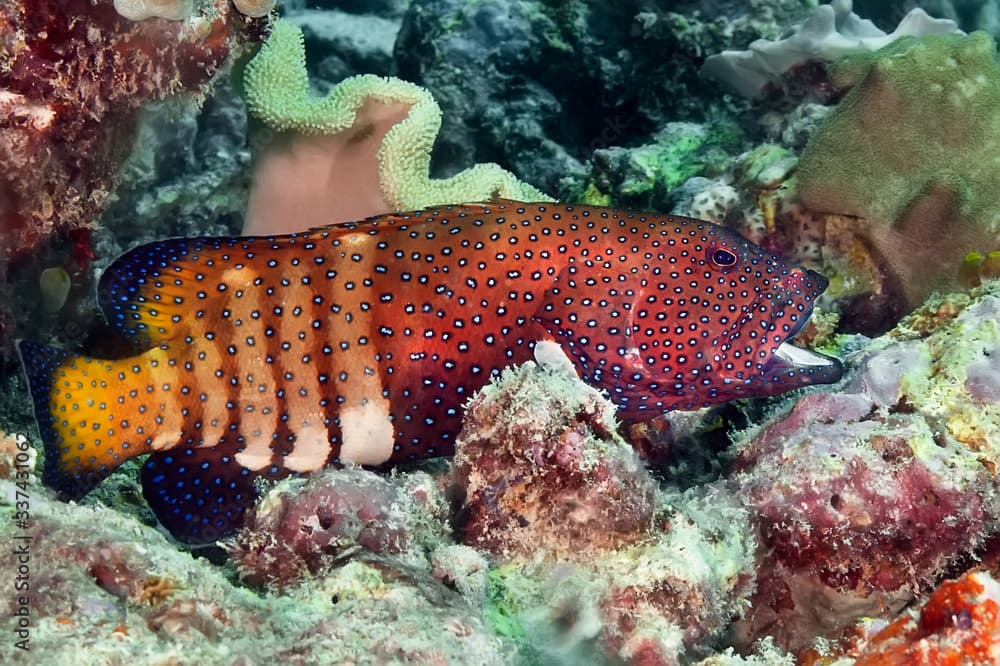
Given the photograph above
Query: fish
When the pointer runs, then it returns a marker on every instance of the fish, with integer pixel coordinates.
(255, 358)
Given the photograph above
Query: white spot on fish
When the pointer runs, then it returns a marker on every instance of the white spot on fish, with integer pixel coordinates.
(311, 449)
(550, 354)
(367, 433)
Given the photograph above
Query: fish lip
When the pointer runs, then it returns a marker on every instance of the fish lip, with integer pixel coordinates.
(797, 364)
(790, 359)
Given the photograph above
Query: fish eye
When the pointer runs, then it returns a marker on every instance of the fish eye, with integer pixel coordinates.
(722, 258)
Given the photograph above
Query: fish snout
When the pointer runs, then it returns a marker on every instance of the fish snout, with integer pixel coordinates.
(805, 281)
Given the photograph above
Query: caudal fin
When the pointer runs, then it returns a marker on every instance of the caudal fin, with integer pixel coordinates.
(71, 399)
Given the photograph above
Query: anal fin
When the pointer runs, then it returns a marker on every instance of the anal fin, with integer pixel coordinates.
(199, 494)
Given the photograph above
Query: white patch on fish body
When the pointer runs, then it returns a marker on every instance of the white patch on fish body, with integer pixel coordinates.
(311, 449)
(257, 454)
(165, 440)
(366, 432)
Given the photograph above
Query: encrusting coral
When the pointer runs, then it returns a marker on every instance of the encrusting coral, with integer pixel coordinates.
(69, 95)
(542, 468)
(959, 623)
(898, 179)
(363, 149)
(74, 78)
(304, 527)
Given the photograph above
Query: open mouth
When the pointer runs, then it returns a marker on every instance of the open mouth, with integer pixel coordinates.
(790, 361)
(800, 357)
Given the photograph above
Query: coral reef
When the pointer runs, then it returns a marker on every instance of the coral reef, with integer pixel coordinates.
(66, 127)
(71, 92)
(664, 600)
(343, 43)
(837, 508)
(543, 470)
(830, 33)
(551, 490)
(538, 86)
(647, 177)
(362, 150)
(881, 177)
(105, 589)
(676, 594)
(958, 624)
(304, 527)
(865, 496)
(919, 191)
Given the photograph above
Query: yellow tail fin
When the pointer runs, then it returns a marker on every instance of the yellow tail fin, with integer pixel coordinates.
(75, 400)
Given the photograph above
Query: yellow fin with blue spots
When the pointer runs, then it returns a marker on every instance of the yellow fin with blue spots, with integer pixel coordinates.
(74, 399)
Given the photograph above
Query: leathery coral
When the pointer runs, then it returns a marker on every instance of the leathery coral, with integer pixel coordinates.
(919, 196)
(362, 150)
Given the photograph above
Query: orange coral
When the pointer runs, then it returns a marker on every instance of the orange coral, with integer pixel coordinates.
(958, 626)
(155, 590)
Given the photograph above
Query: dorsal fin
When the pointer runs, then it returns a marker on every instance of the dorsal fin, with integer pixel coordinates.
(143, 294)
(148, 292)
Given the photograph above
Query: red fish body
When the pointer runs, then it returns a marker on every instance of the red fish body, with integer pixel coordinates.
(360, 342)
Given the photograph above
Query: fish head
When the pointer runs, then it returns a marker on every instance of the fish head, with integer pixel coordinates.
(682, 314)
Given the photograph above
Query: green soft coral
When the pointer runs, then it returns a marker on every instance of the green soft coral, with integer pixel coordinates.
(277, 92)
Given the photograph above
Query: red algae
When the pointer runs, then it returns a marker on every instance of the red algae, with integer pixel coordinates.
(73, 76)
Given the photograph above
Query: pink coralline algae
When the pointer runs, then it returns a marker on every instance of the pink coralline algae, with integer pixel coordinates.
(865, 497)
(73, 76)
(106, 589)
(584, 533)
(542, 469)
(856, 507)
(304, 527)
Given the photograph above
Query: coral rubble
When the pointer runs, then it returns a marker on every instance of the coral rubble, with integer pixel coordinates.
(542, 469)
(105, 589)
(304, 527)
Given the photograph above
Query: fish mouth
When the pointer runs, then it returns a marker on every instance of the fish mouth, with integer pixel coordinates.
(791, 364)
(789, 356)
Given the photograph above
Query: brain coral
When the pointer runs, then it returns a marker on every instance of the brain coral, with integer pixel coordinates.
(913, 152)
